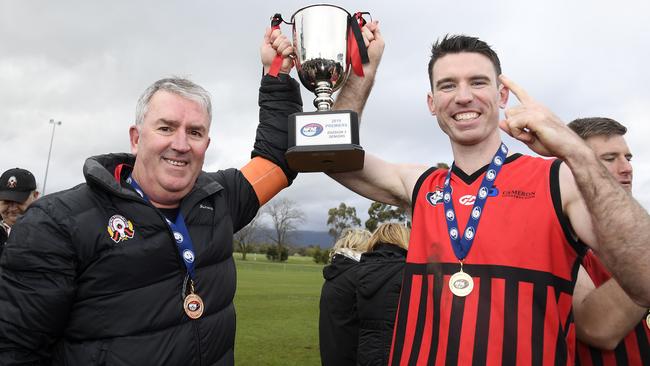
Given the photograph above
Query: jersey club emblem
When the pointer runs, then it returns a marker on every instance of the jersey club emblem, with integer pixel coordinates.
(119, 228)
(434, 197)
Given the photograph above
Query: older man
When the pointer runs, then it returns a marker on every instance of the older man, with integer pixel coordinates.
(17, 192)
(135, 266)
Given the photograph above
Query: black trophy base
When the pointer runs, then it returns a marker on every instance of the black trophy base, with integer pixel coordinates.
(324, 142)
(325, 158)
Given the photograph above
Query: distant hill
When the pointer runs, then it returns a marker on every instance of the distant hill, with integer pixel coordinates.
(301, 238)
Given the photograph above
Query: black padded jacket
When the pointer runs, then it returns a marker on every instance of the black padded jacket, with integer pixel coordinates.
(380, 281)
(338, 324)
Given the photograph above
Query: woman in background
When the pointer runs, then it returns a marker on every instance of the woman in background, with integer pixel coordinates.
(380, 281)
(338, 326)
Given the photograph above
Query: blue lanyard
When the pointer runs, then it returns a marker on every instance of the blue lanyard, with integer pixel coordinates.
(181, 234)
(463, 244)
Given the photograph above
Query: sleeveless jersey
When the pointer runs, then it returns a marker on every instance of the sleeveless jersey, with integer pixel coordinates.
(524, 263)
(634, 349)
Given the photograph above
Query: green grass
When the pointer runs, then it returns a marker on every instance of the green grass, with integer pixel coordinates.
(277, 311)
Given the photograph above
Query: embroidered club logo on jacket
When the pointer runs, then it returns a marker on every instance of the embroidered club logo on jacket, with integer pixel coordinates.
(119, 228)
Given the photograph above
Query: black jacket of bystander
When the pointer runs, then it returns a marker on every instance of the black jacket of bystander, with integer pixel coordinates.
(338, 324)
(380, 281)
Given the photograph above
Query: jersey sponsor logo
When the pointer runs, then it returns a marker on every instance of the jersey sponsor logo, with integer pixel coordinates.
(311, 129)
(120, 228)
(467, 200)
(518, 194)
(434, 198)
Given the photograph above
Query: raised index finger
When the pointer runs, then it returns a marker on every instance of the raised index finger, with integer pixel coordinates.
(518, 91)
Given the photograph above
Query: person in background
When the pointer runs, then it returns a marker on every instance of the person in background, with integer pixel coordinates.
(17, 192)
(338, 325)
(380, 280)
(611, 328)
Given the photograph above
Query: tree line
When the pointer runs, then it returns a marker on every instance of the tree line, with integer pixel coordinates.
(285, 216)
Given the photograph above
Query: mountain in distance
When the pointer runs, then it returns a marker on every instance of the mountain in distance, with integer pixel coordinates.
(300, 238)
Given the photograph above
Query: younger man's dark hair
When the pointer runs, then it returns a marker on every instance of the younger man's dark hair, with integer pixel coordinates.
(461, 43)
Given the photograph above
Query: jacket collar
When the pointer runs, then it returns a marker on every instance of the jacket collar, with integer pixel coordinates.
(99, 172)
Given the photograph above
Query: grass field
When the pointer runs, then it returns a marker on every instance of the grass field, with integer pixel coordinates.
(277, 311)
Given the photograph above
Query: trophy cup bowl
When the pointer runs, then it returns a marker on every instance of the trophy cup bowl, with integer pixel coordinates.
(325, 140)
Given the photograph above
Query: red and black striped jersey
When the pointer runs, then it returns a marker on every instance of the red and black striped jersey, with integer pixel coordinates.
(634, 349)
(524, 262)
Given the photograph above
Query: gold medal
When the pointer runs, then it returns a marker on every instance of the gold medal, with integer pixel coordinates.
(460, 283)
(193, 306)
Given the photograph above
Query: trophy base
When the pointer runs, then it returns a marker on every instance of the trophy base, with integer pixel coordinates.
(325, 158)
(324, 142)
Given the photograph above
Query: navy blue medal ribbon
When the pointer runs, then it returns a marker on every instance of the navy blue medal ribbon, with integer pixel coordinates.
(463, 243)
(181, 234)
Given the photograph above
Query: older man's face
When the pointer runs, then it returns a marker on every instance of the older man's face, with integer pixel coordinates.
(170, 148)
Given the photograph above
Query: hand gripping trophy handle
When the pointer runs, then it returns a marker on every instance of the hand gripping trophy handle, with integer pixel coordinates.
(327, 42)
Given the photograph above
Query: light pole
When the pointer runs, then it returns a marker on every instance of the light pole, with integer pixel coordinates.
(47, 166)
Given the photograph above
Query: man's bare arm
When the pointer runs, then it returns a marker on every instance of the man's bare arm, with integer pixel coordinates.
(618, 229)
(382, 181)
(604, 315)
(378, 180)
(602, 214)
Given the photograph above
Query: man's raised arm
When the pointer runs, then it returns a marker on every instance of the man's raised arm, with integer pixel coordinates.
(268, 171)
(602, 214)
(378, 180)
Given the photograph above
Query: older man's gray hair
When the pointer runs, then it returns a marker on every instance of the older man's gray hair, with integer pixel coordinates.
(179, 86)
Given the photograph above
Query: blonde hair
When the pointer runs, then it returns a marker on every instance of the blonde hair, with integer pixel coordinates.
(352, 242)
(390, 233)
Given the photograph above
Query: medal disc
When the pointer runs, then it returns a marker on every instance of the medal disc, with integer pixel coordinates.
(461, 284)
(647, 320)
(193, 306)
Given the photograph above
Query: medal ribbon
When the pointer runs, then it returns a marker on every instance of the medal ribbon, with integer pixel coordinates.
(463, 244)
(181, 234)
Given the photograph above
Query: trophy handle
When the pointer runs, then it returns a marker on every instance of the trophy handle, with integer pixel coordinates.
(276, 20)
(359, 17)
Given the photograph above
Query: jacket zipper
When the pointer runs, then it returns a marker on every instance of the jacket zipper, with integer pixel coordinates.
(171, 233)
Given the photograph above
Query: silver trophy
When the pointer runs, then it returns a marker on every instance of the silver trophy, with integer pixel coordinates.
(325, 140)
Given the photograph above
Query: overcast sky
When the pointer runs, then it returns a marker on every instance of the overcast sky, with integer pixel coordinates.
(85, 63)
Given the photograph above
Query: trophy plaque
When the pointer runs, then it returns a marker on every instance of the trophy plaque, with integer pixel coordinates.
(327, 41)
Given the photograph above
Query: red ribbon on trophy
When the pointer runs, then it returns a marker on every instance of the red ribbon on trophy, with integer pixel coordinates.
(357, 51)
(274, 70)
